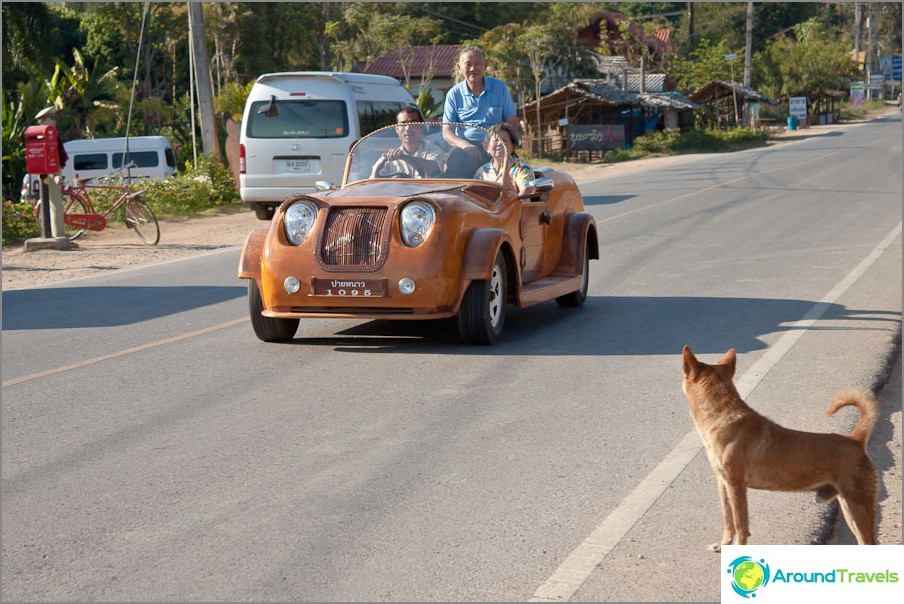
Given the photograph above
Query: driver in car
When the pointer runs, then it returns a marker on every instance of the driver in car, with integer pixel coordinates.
(415, 157)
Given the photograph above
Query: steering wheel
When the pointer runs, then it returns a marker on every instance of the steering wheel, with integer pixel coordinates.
(381, 163)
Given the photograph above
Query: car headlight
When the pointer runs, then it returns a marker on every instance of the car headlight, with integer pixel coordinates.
(416, 221)
(299, 221)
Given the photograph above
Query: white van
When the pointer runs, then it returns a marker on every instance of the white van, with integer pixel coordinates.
(94, 158)
(298, 127)
(152, 156)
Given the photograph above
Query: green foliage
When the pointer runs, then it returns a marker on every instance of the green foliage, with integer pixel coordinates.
(703, 64)
(429, 108)
(672, 142)
(811, 63)
(18, 114)
(203, 186)
(18, 221)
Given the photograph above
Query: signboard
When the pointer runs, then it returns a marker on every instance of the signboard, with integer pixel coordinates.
(797, 107)
(858, 93)
(896, 68)
(596, 137)
(876, 81)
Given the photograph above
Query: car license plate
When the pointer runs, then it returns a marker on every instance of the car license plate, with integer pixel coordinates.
(349, 288)
(298, 165)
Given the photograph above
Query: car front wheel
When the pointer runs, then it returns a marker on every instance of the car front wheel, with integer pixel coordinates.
(577, 298)
(266, 328)
(482, 313)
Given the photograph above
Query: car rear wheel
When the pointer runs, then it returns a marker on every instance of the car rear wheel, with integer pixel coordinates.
(482, 313)
(266, 328)
(577, 298)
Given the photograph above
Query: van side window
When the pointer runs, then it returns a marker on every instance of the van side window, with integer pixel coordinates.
(143, 159)
(298, 119)
(170, 157)
(373, 115)
(90, 161)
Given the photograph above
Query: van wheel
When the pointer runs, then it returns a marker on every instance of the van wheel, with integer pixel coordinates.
(263, 212)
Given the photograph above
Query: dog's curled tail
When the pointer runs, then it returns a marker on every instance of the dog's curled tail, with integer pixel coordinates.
(869, 412)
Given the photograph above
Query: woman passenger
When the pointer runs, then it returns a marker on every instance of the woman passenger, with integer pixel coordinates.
(505, 167)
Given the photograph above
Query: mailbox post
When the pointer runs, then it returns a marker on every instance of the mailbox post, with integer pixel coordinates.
(42, 157)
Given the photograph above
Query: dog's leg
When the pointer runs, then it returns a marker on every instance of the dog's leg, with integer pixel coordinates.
(860, 519)
(728, 527)
(737, 495)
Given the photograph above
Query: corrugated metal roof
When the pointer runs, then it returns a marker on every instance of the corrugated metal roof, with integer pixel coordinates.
(655, 82)
(667, 100)
(442, 56)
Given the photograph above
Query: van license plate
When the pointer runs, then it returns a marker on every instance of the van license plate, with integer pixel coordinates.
(298, 165)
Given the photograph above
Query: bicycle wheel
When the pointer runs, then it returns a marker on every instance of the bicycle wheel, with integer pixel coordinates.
(141, 219)
(72, 206)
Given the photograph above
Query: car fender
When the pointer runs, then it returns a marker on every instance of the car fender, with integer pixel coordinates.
(252, 249)
(579, 234)
(480, 253)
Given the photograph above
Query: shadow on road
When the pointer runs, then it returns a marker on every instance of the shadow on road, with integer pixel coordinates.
(72, 307)
(610, 326)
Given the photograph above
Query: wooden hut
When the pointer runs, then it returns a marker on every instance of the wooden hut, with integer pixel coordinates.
(588, 117)
(585, 115)
(725, 102)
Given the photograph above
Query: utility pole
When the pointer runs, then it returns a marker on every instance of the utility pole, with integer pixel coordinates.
(858, 18)
(690, 25)
(202, 70)
(748, 54)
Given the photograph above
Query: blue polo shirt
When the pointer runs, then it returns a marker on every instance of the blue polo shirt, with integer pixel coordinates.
(493, 106)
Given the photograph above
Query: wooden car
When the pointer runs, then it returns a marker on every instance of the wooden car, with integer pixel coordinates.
(392, 244)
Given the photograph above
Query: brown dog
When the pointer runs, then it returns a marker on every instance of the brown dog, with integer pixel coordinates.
(747, 450)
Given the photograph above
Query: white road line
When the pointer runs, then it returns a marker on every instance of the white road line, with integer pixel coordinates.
(580, 564)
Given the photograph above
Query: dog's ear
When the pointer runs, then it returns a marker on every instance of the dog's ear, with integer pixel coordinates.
(689, 362)
(729, 361)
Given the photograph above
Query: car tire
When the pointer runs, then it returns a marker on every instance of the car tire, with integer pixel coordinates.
(577, 298)
(266, 328)
(482, 313)
(263, 212)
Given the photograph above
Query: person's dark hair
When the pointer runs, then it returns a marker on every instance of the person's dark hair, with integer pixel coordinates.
(516, 140)
(414, 110)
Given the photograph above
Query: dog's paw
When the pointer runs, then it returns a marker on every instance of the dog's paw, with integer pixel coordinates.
(715, 547)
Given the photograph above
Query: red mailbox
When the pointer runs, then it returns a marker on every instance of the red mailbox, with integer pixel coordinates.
(42, 155)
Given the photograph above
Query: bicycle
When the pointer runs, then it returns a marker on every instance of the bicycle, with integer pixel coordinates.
(79, 214)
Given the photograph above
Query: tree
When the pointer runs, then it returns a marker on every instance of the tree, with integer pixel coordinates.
(809, 63)
(537, 41)
(705, 63)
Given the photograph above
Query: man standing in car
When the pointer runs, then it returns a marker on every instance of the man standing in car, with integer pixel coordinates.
(478, 100)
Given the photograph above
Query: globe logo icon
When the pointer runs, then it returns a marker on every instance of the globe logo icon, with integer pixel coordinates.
(748, 575)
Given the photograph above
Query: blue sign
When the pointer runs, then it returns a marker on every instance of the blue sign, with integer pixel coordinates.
(896, 68)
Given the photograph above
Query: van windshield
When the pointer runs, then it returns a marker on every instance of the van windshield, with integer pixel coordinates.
(297, 119)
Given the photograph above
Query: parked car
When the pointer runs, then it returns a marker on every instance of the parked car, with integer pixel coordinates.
(298, 126)
(392, 246)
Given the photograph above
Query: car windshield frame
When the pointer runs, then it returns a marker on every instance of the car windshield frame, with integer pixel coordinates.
(365, 154)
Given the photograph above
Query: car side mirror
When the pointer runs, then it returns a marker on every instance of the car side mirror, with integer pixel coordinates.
(543, 184)
(324, 185)
(539, 185)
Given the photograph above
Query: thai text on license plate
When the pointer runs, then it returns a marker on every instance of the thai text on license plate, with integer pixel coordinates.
(349, 288)
(298, 165)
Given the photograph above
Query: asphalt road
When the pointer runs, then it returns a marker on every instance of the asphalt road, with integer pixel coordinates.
(154, 449)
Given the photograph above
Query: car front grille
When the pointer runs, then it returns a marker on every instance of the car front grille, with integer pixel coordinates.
(354, 238)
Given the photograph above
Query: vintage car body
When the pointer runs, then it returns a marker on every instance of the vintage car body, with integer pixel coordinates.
(485, 247)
